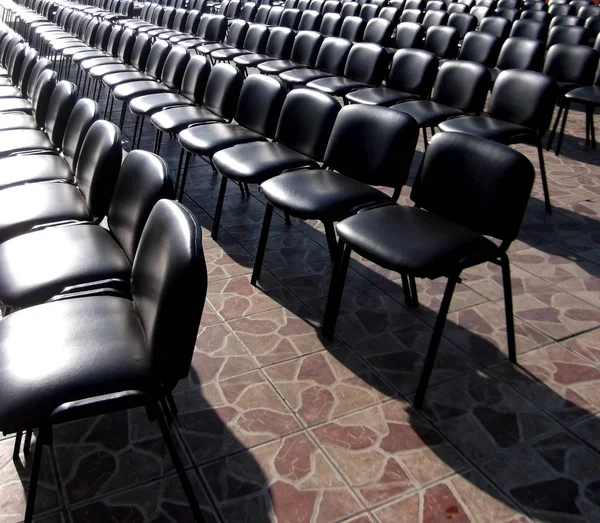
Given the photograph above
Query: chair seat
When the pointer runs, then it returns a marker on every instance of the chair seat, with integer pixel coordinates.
(205, 140)
(278, 66)
(486, 127)
(14, 104)
(413, 241)
(42, 368)
(35, 267)
(150, 103)
(180, 38)
(17, 140)
(112, 80)
(130, 90)
(302, 76)
(336, 85)
(32, 168)
(10, 92)
(17, 121)
(258, 161)
(379, 96)
(588, 95)
(190, 42)
(227, 53)
(90, 54)
(251, 59)
(6, 81)
(90, 63)
(62, 44)
(25, 206)
(71, 51)
(179, 118)
(209, 48)
(427, 113)
(104, 70)
(318, 194)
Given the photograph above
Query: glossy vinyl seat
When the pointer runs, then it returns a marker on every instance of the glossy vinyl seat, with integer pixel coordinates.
(38, 265)
(304, 54)
(369, 146)
(255, 41)
(303, 129)
(519, 111)
(17, 84)
(468, 188)
(107, 351)
(279, 46)
(213, 30)
(234, 39)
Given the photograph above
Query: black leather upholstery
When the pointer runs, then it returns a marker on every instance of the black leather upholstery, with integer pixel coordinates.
(304, 53)
(479, 47)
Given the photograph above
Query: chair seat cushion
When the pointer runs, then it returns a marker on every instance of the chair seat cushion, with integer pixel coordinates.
(67, 53)
(130, 90)
(190, 42)
(228, 53)
(24, 206)
(318, 194)
(62, 44)
(209, 48)
(206, 140)
(258, 161)
(6, 81)
(427, 113)
(413, 241)
(150, 103)
(90, 63)
(278, 66)
(112, 68)
(179, 118)
(251, 59)
(10, 92)
(379, 96)
(14, 104)
(90, 54)
(17, 121)
(17, 140)
(589, 94)
(489, 128)
(112, 80)
(302, 76)
(32, 168)
(336, 85)
(180, 38)
(79, 348)
(35, 267)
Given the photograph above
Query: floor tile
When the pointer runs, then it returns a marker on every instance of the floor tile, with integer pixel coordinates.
(588, 430)
(227, 416)
(551, 227)
(481, 415)
(279, 335)
(467, 498)
(387, 450)
(555, 479)
(326, 385)
(585, 245)
(223, 264)
(586, 345)
(586, 289)
(289, 480)
(209, 316)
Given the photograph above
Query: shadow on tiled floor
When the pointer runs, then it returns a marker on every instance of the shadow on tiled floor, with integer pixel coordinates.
(277, 423)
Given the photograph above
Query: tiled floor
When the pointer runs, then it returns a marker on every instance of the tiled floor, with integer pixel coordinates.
(278, 424)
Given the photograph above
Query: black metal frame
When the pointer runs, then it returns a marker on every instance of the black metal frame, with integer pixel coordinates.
(590, 132)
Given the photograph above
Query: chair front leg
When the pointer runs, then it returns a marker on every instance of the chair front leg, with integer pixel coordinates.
(336, 289)
(434, 343)
(43, 437)
(331, 239)
(219, 209)
(540, 149)
(262, 244)
(561, 106)
(508, 308)
(561, 134)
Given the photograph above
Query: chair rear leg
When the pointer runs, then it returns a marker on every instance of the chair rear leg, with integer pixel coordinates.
(508, 308)
(561, 105)
(186, 167)
(434, 343)
(43, 437)
(262, 244)
(592, 128)
(331, 239)
(562, 127)
(336, 289)
(544, 178)
(219, 209)
(406, 289)
(27, 442)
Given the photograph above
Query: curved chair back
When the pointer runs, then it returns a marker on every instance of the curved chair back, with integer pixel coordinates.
(262, 13)
(409, 35)
(433, 18)
(565, 20)
(280, 42)
(248, 12)
(31, 58)
(333, 55)
(521, 53)
(442, 41)
(274, 16)
(390, 13)
(352, 28)
(463, 85)
(497, 26)
(350, 9)
(411, 15)
(310, 21)
(237, 33)
(366, 63)
(413, 71)
(140, 51)
(528, 29)
(256, 38)
(458, 8)
(290, 18)
(306, 47)
(259, 104)
(156, 58)
(42, 92)
(463, 23)
(222, 90)
(378, 31)
(330, 24)
(574, 65)
(15, 62)
(174, 68)
(59, 111)
(369, 11)
(84, 114)
(565, 34)
(143, 180)
(479, 47)
(216, 29)
(195, 78)
(307, 117)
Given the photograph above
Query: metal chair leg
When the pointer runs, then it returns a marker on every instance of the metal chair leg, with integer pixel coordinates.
(331, 239)
(544, 178)
(413, 291)
(186, 167)
(562, 127)
(43, 434)
(561, 105)
(219, 209)
(434, 343)
(406, 289)
(336, 289)
(27, 442)
(262, 244)
(508, 307)
(17, 448)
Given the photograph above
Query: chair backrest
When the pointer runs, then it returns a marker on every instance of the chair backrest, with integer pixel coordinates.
(102, 35)
(310, 21)
(456, 7)
(174, 67)
(157, 57)
(463, 85)
(372, 144)
(256, 38)
(567, 34)
(262, 13)
(435, 5)
(195, 78)
(237, 33)
(390, 13)
(274, 15)
(352, 28)
(497, 26)
(462, 22)
(528, 29)
(303, 5)
(143, 180)
(192, 22)
(259, 104)
(561, 10)
(316, 5)
(307, 117)
(333, 55)
(592, 24)
(350, 9)
(366, 63)
(60, 107)
(378, 31)
(369, 11)
(306, 47)
(168, 277)
(42, 91)
(411, 15)
(477, 183)
(573, 64)
(521, 53)
(413, 71)
(415, 4)
(331, 6)
(233, 9)
(248, 11)
(524, 97)
(480, 12)
(114, 40)
(588, 11)
(280, 42)
(290, 18)
(31, 58)
(479, 47)
(509, 14)
(222, 90)
(98, 166)
(409, 35)
(566, 20)
(84, 114)
(140, 51)
(216, 28)
(433, 18)
(330, 24)
(536, 16)
(442, 41)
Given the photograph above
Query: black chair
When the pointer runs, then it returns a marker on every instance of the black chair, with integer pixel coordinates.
(213, 30)
(529, 29)
(463, 23)
(49, 165)
(587, 11)
(303, 54)
(256, 117)
(509, 14)
(566, 20)
(248, 11)
(274, 16)
(409, 35)
(24, 207)
(303, 129)
(459, 88)
(480, 12)
(218, 104)
(365, 67)
(411, 15)
(433, 18)
(353, 28)
(561, 10)
(368, 146)
(390, 13)
(519, 53)
(479, 47)
(592, 25)
(41, 85)
(330, 24)
(42, 264)
(497, 26)
(442, 41)
(255, 41)
(331, 61)
(458, 7)
(378, 31)
(16, 85)
(536, 16)
(279, 47)
(234, 39)
(136, 359)
(435, 5)
(469, 188)
(310, 21)
(350, 9)
(262, 13)
(369, 11)
(519, 111)
(565, 34)
(290, 18)
(411, 76)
